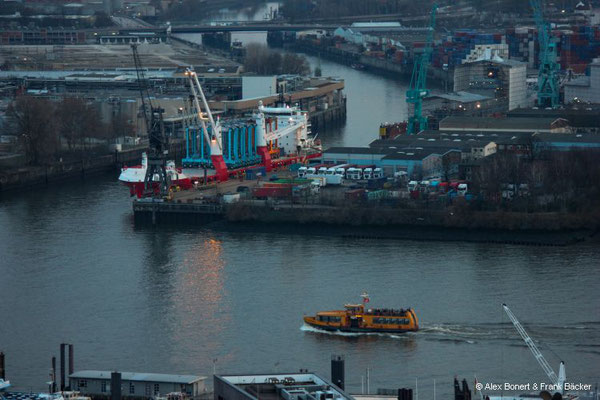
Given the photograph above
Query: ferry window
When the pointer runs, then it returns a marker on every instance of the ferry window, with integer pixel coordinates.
(131, 388)
(103, 386)
(82, 383)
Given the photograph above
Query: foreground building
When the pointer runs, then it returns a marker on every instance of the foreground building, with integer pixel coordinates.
(295, 386)
(136, 384)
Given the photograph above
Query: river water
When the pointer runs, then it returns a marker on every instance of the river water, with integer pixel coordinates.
(75, 269)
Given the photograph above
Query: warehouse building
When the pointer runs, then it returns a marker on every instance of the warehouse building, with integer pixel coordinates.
(136, 384)
(511, 125)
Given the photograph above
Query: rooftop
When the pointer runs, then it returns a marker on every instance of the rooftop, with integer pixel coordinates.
(464, 97)
(356, 150)
(138, 376)
(500, 124)
(568, 137)
(301, 386)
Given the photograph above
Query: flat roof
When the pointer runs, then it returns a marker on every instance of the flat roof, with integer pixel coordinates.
(355, 150)
(455, 122)
(138, 376)
(281, 386)
(568, 137)
(462, 96)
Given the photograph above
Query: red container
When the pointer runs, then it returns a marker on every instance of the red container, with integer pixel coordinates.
(278, 192)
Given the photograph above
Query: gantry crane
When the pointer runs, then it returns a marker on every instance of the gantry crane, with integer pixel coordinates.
(559, 380)
(548, 93)
(418, 82)
(153, 118)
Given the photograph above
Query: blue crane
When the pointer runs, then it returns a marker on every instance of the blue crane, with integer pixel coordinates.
(548, 93)
(418, 82)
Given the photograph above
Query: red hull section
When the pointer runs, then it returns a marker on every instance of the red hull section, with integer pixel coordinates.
(137, 188)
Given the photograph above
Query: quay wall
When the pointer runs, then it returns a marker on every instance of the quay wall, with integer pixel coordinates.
(376, 222)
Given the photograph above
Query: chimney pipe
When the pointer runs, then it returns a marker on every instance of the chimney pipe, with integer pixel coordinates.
(62, 367)
(115, 386)
(71, 364)
(2, 370)
(338, 371)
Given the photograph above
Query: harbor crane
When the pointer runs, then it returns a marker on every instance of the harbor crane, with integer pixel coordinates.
(559, 380)
(214, 138)
(418, 82)
(548, 93)
(158, 142)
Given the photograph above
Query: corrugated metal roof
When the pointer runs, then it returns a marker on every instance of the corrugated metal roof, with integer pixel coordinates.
(355, 150)
(496, 123)
(138, 376)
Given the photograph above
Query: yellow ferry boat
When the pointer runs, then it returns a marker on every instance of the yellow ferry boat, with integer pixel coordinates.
(357, 318)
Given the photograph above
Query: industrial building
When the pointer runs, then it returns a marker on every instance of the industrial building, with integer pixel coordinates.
(582, 119)
(299, 386)
(511, 125)
(586, 88)
(496, 78)
(136, 384)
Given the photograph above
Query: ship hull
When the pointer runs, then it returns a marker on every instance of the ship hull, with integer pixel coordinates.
(331, 328)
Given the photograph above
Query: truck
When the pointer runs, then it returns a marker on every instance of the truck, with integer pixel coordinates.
(378, 173)
(367, 171)
(302, 171)
(354, 174)
(342, 169)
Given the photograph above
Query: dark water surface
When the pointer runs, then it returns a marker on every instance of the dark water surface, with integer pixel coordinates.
(74, 269)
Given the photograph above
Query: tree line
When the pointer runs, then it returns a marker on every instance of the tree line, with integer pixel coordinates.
(550, 181)
(264, 61)
(48, 130)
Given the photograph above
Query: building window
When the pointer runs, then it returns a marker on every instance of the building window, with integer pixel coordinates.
(148, 390)
(156, 388)
(82, 383)
(103, 386)
(131, 388)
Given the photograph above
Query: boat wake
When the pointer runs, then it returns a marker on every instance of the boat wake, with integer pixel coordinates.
(308, 328)
(485, 332)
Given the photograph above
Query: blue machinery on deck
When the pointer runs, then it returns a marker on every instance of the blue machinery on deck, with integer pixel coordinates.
(239, 146)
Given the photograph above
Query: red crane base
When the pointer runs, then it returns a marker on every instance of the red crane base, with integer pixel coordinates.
(265, 156)
(220, 168)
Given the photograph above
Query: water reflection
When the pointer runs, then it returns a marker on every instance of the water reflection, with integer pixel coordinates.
(200, 299)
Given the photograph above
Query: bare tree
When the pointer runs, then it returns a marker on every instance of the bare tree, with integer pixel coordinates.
(263, 61)
(33, 121)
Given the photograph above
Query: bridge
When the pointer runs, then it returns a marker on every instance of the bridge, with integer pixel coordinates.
(230, 27)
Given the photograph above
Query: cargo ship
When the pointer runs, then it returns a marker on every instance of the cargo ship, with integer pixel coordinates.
(359, 319)
(133, 177)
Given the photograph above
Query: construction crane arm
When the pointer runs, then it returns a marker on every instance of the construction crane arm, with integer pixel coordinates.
(536, 352)
(198, 94)
(279, 133)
